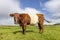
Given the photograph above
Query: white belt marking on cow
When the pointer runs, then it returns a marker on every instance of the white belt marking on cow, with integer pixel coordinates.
(34, 18)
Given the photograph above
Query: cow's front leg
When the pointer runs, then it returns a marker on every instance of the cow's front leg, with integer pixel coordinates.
(23, 28)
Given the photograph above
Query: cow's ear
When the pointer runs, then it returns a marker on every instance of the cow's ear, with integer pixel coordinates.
(11, 15)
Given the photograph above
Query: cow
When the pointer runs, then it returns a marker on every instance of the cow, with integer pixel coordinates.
(24, 19)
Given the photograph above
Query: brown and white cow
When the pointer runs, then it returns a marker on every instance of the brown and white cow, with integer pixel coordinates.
(24, 19)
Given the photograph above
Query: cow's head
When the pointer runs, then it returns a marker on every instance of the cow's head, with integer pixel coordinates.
(16, 17)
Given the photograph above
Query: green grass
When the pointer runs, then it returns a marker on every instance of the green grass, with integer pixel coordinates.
(15, 33)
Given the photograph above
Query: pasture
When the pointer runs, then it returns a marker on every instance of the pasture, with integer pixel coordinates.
(15, 33)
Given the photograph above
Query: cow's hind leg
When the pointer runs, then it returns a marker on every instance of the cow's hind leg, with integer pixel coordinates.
(41, 28)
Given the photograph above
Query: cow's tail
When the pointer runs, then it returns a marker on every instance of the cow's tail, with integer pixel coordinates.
(47, 21)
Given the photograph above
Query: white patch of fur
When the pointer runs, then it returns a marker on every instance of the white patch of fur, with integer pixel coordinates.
(34, 18)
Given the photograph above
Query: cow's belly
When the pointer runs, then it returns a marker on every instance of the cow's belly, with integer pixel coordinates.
(34, 18)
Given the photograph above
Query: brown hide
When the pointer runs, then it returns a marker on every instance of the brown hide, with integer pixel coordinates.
(25, 18)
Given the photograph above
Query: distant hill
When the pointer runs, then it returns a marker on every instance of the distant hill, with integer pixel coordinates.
(57, 24)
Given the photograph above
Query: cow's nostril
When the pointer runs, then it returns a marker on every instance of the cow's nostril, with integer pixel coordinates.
(14, 22)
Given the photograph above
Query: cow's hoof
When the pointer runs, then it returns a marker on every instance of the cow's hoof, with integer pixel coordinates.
(24, 33)
(41, 32)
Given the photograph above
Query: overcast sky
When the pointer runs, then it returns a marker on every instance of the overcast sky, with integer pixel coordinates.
(50, 9)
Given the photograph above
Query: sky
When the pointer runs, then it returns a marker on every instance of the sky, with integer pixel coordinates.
(50, 9)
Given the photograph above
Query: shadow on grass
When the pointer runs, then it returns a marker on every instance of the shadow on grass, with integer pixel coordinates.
(21, 31)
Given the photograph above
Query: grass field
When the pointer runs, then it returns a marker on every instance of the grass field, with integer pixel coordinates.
(15, 33)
